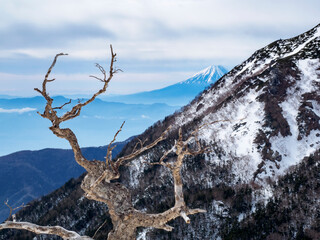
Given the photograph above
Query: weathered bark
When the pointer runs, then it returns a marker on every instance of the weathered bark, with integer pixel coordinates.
(97, 183)
(124, 217)
(53, 230)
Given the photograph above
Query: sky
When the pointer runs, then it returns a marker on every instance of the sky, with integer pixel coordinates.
(158, 42)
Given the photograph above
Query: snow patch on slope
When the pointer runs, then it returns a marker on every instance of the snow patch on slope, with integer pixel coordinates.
(292, 149)
(136, 169)
(237, 134)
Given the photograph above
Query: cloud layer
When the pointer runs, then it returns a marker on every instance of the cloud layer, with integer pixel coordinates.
(148, 35)
(17, 110)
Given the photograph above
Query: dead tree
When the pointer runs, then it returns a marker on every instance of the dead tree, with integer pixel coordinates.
(98, 184)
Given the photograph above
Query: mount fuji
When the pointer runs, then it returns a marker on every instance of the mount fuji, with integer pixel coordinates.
(178, 94)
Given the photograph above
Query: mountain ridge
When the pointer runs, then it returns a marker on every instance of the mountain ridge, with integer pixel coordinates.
(178, 94)
(27, 175)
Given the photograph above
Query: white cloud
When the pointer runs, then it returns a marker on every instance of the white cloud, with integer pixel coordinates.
(129, 17)
(17, 110)
(141, 31)
(158, 29)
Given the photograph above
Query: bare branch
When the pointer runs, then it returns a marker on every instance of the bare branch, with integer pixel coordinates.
(136, 145)
(101, 80)
(109, 163)
(166, 228)
(7, 204)
(181, 149)
(44, 83)
(51, 114)
(99, 228)
(52, 65)
(75, 111)
(121, 160)
(164, 156)
(13, 209)
(195, 211)
(102, 71)
(185, 217)
(117, 70)
(62, 105)
(139, 142)
(53, 230)
(109, 152)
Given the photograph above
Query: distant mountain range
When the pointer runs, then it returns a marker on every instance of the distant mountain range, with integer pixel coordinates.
(21, 128)
(27, 175)
(178, 94)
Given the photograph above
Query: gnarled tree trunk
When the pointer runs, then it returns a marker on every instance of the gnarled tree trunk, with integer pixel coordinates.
(98, 184)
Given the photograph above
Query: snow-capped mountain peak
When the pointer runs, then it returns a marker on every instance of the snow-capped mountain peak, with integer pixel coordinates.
(207, 76)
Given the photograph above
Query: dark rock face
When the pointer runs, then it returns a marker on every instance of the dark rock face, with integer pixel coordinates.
(307, 119)
(262, 171)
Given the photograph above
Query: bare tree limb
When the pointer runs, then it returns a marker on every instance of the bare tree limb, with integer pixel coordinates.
(109, 151)
(62, 105)
(134, 154)
(125, 218)
(99, 228)
(180, 208)
(139, 142)
(56, 120)
(53, 230)
(102, 71)
(13, 209)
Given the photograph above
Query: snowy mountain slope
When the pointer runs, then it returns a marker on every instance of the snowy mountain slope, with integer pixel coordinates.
(178, 94)
(268, 108)
(271, 102)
